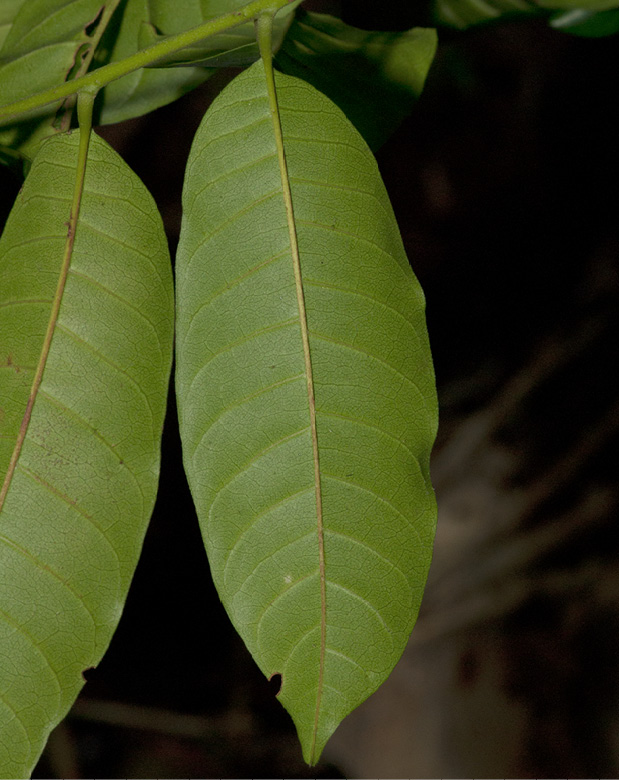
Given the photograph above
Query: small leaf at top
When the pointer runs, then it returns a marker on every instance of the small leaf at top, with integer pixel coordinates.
(311, 484)
(235, 48)
(374, 77)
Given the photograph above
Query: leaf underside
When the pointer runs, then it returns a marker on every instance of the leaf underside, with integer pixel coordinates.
(80, 497)
(243, 400)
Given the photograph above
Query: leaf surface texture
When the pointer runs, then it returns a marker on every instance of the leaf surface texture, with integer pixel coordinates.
(80, 496)
(243, 400)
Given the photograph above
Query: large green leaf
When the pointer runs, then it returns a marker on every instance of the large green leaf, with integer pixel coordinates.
(374, 77)
(79, 497)
(271, 497)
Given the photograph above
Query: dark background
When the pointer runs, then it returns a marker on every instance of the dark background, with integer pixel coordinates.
(504, 183)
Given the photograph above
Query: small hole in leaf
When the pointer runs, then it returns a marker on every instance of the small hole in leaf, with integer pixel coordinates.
(275, 683)
(91, 27)
(88, 674)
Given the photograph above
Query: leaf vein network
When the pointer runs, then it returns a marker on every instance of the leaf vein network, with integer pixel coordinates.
(240, 342)
(257, 564)
(405, 269)
(272, 446)
(279, 596)
(375, 358)
(71, 503)
(124, 301)
(380, 498)
(104, 359)
(47, 569)
(347, 291)
(227, 175)
(365, 602)
(395, 567)
(89, 427)
(263, 512)
(8, 618)
(237, 280)
(232, 218)
(370, 426)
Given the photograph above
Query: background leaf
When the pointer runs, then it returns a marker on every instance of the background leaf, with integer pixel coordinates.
(8, 12)
(464, 13)
(144, 90)
(589, 24)
(76, 511)
(138, 23)
(39, 52)
(234, 48)
(374, 77)
(243, 401)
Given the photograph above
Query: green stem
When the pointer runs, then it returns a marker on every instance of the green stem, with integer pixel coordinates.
(264, 30)
(67, 108)
(102, 76)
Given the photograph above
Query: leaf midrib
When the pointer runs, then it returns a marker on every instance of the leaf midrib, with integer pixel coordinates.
(264, 30)
(80, 172)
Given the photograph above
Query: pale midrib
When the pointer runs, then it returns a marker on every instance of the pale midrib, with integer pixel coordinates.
(53, 317)
(264, 39)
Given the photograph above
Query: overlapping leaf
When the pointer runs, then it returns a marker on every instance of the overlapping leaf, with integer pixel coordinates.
(83, 487)
(374, 77)
(8, 12)
(269, 498)
(144, 22)
(39, 51)
(144, 90)
(234, 48)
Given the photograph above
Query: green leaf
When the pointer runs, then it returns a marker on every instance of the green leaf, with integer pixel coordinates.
(589, 24)
(464, 13)
(143, 90)
(77, 503)
(8, 12)
(374, 77)
(586, 5)
(137, 25)
(48, 44)
(235, 48)
(41, 47)
(269, 497)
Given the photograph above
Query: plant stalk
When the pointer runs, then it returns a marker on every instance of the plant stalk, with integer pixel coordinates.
(99, 78)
